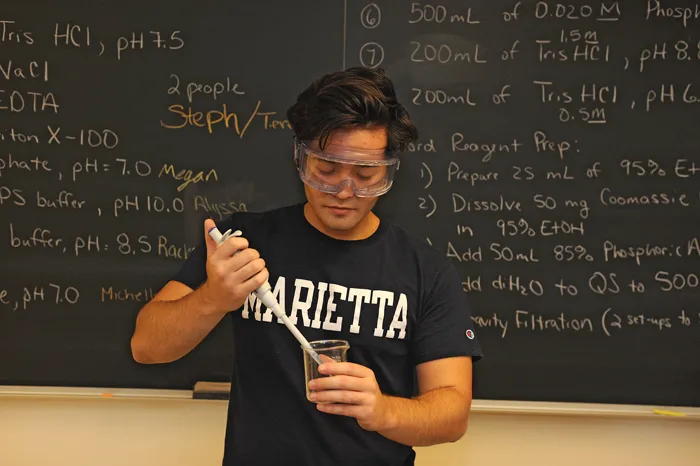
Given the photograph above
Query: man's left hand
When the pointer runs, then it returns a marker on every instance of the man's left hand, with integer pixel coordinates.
(352, 391)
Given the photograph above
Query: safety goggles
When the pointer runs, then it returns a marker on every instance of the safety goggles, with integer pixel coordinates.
(369, 173)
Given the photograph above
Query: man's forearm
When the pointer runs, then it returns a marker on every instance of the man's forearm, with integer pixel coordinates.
(438, 416)
(167, 330)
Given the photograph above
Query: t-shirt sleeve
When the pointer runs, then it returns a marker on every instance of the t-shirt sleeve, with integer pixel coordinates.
(193, 271)
(444, 327)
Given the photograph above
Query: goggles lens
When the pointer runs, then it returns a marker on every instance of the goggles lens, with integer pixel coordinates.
(369, 173)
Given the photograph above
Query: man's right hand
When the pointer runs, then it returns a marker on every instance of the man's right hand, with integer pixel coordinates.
(230, 279)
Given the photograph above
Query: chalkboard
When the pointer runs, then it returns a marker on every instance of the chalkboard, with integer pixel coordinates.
(558, 167)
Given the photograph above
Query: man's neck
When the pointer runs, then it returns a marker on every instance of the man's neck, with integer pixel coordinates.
(363, 230)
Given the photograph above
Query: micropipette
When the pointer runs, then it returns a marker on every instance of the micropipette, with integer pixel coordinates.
(268, 299)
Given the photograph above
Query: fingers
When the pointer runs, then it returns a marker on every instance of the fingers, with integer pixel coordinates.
(326, 358)
(209, 241)
(341, 382)
(234, 270)
(341, 396)
(256, 281)
(228, 248)
(232, 245)
(250, 269)
(234, 256)
(340, 409)
(345, 368)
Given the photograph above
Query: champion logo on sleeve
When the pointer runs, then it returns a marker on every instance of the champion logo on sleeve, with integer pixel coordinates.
(470, 334)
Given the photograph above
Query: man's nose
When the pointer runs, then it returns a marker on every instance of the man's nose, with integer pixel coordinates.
(347, 191)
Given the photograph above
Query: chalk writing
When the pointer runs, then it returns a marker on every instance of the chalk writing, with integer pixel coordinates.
(221, 208)
(684, 94)
(14, 101)
(111, 294)
(160, 246)
(459, 144)
(578, 52)
(440, 97)
(30, 296)
(443, 53)
(32, 70)
(187, 176)
(230, 120)
(439, 14)
(605, 11)
(10, 163)
(636, 253)
(658, 9)
(215, 90)
(31, 238)
(139, 40)
(10, 31)
(154, 204)
(556, 168)
(610, 198)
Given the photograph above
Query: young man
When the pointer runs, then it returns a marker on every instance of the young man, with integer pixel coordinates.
(340, 273)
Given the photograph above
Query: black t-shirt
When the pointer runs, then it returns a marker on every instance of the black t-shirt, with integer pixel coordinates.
(394, 298)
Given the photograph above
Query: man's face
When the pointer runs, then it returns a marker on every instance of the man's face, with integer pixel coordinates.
(343, 212)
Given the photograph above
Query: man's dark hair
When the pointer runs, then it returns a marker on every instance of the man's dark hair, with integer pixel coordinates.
(355, 98)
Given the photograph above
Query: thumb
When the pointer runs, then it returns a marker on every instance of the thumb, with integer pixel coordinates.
(211, 244)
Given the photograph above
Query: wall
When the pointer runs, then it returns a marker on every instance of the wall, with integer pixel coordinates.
(91, 431)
